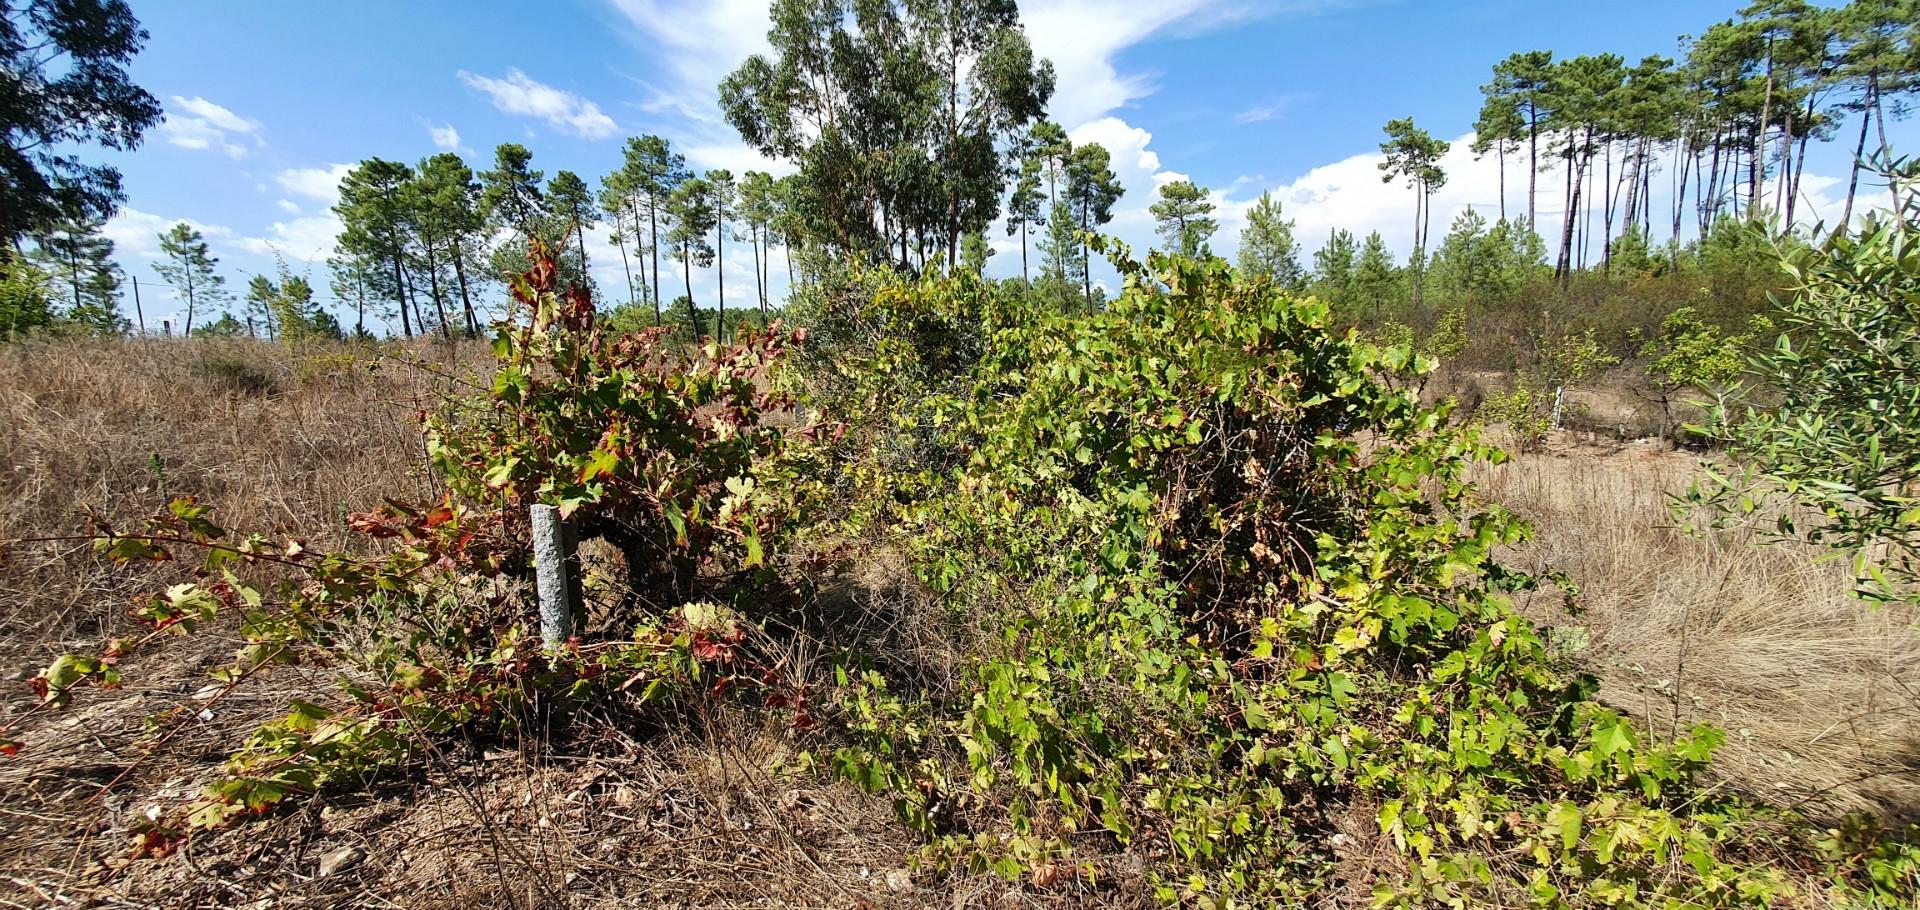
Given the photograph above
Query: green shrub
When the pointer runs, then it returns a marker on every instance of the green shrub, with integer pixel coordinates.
(1826, 435)
(1232, 584)
(233, 370)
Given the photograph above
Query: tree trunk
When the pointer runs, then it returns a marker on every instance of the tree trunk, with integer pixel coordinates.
(1500, 148)
(184, 270)
(1533, 163)
(1758, 166)
(1563, 266)
(625, 268)
(1853, 180)
(400, 292)
(686, 268)
(580, 240)
(1606, 218)
(466, 297)
(720, 259)
(1880, 124)
(1023, 252)
(653, 243)
(433, 284)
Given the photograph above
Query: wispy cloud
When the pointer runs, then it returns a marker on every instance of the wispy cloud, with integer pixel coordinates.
(445, 137)
(1269, 110)
(522, 95)
(196, 123)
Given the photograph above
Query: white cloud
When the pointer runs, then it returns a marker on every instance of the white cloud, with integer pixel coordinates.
(520, 94)
(736, 157)
(196, 123)
(322, 183)
(137, 233)
(445, 137)
(306, 239)
(1082, 38)
(699, 42)
(288, 206)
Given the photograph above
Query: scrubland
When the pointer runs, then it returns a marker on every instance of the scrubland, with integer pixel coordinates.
(1818, 691)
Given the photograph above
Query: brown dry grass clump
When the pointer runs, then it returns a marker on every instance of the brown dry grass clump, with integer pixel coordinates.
(1819, 692)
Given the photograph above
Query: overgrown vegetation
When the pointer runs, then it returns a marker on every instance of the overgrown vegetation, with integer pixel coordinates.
(1230, 604)
(1219, 614)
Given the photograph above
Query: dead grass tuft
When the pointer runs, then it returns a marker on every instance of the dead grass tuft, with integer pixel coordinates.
(1819, 692)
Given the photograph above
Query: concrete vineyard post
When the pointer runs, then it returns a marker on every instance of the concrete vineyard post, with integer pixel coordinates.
(554, 560)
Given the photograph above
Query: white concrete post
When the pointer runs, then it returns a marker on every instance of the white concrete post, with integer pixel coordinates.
(553, 566)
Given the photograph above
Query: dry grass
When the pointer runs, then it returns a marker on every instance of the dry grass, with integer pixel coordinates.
(276, 441)
(702, 815)
(1819, 692)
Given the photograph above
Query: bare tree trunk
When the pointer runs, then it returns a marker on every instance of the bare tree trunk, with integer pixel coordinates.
(1533, 163)
(466, 297)
(1758, 165)
(1853, 179)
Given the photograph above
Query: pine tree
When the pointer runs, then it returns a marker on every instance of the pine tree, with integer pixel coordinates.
(80, 261)
(1092, 190)
(650, 171)
(690, 212)
(721, 191)
(1183, 217)
(1062, 269)
(1374, 275)
(571, 204)
(757, 206)
(450, 225)
(188, 265)
(1333, 266)
(510, 193)
(64, 83)
(375, 214)
(1267, 247)
(1414, 155)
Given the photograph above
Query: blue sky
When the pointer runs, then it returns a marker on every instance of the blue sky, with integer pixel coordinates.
(269, 102)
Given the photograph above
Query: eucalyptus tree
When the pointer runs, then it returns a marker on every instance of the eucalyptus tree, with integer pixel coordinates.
(374, 215)
(899, 114)
(691, 217)
(188, 265)
(1092, 190)
(65, 85)
(1183, 216)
